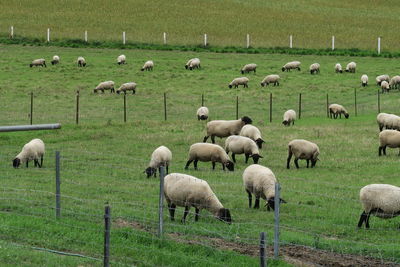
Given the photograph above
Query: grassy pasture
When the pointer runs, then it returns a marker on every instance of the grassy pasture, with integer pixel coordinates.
(356, 24)
(103, 159)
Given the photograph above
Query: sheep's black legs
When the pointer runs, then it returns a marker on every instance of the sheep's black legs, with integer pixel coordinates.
(187, 164)
(233, 157)
(380, 151)
(205, 139)
(296, 162)
(257, 202)
(185, 214)
(384, 150)
(250, 196)
(308, 163)
(35, 162)
(367, 221)
(195, 163)
(363, 216)
(223, 166)
(288, 160)
(41, 161)
(213, 165)
(247, 157)
(167, 168)
(27, 163)
(196, 218)
(171, 208)
(213, 139)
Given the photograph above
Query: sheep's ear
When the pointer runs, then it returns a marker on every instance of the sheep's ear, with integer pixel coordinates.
(282, 200)
(260, 156)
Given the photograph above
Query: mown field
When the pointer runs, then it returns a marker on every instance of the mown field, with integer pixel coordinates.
(103, 158)
(356, 24)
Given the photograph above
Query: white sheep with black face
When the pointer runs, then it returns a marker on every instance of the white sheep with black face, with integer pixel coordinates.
(253, 133)
(242, 145)
(223, 128)
(148, 65)
(81, 62)
(38, 62)
(293, 65)
(249, 67)
(364, 80)
(239, 81)
(202, 113)
(338, 68)
(289, 117)
(272, 78)
(108, 85)
(388, 138)
(161, 156)
(336, 110)
(302, 149)
(34, 150)
(208, 152)
(314, 68)
(351, 67)
(56, 60)
(121, 59)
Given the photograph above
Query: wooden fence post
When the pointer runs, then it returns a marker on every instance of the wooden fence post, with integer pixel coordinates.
(107, 227)
(31, 115)
(237, 107)
(355, 101)
(299, 106)
(77, 107)
(165, 106)
(327, 105)
(58, 190)
(262, 249)
(270, 107)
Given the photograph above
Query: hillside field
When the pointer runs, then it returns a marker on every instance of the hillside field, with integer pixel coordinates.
(103, 158)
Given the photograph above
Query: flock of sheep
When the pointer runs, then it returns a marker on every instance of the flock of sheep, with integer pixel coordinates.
(183, 190)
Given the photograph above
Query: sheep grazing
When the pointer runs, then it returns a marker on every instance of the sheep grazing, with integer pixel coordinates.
(364, 80)
(34, 150)
(337, 110)
(291, 66)
(161, 156)
(242, 145)
(239, 81)
(385, 87)
(338, 68)
(302, 149)
(108, 85)
(121, 59)
(221, 128)
(273, 78)
(380, 200)
(202, 113)
(314, 68)
(260, 181)
(208, 152)
(351, 67)
(388, 138)
(388, 121)
(253, 133)
(131, 86)
(148, 65)
(38, 62)
(56, 60)
(381, 78)
(185, 191)
(395, 82)
(289, 117)
(81, 62)
(193, 63)
(249, 67)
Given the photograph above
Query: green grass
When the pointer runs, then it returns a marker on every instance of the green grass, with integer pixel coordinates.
(103, 159)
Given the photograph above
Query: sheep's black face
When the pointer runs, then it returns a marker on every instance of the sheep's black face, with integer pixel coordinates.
(142, 69)
(285, 123)
(230, 86)
(16, 162)
(30, 65)
(150, 171)
(203, 117)
(271, 204)
(230, 165)
(346, 116)
(247, 120)
(259, 142)
(262, 84)
(341, 71)
(313, 162)
(84, 64)
(225, 215)
(242, 71)
(256, 157)
(283, 69)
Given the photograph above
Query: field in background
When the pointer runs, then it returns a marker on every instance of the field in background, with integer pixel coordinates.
(103, 159)
(356, 24)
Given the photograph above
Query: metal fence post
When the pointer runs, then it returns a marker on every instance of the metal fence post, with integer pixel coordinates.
(276, 228)
(379, 101)
(237, 107)
(58, 189)
(107, 227)
(161, 202)
(77, 107)
(31, 115)
(355, 101)
(125, 106)
(270, 107)
(262, 250)
(202, 100)
(327, 105)
(165, 106)
(299, 106)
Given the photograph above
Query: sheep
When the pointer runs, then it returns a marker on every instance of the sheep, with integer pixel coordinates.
(336, 109)
(249, 67)
(242, 145)
(81, 62)
(161, 156)
(289, 117)
(338, 68)
(273, 78)
(193, 63)
(108, 85)
(121, 59)
(253, 133)
(381, 78)
(380, 200)
(385, 87)
(291, 65)
(202, 113)
(187, 63)
(260, 181)
(302, 149)
(38, 62)
(148, 65)
(239, 81)
(314, 68)
(208, 152)
(351, 67)
(394, 82)
(34, 150)
(185, 191)
(222, 128)
(388, 138)
(56, 60)
(364, 80)
(131, 86)
(389, 121)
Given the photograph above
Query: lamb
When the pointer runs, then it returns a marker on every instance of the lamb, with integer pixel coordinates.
(108, 85)
(34, 150)
(380, 200)
(291, 65)
(148, 65)
(289, 117)
(385, 87)
(185, 191)
(121, 59)
(161, 156)
(336, 109)
(249, 67)
(222, 128)
(242, 145)
(381, 78)
(202, 113)
(253, 133)
(351, 67)
(389, 121)
(314, 68)
(364, 80)
(38, 62)
(208, 152)
(273, 78)
(388, 138)
(260, 181)
(81, 62)
(338, 68)
(239, 81)
(56, 60)
(131, 86)
(395, 82)
(193, 63)
(302, 149)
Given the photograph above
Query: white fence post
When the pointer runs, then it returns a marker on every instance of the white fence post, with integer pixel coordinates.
(291, 41)
(248, 41)
(379, 45)
(123, 37)
(333, 42)
(48, 35)
(86, 36)
(165, 38)
(12, 32)
(205, 39)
